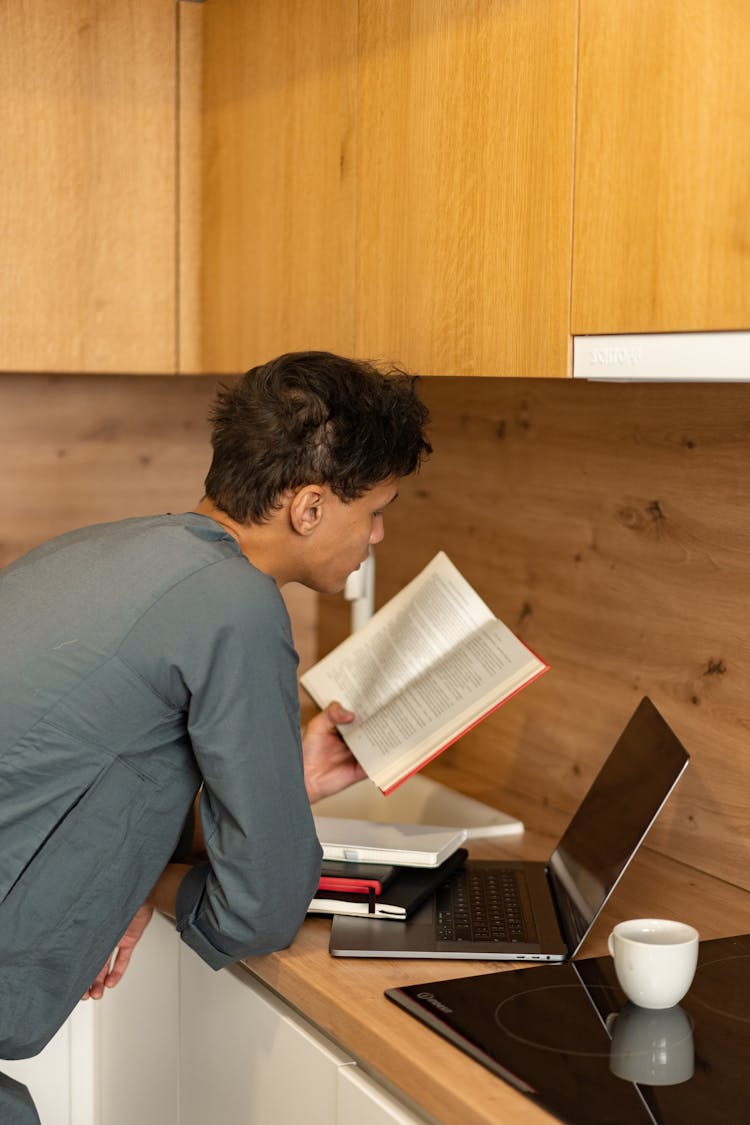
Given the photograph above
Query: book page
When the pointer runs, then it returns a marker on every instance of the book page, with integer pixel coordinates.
(442, 702)
(425, 667)
(401, 641)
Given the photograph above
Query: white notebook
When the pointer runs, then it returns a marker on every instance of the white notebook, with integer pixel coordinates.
(370, 841)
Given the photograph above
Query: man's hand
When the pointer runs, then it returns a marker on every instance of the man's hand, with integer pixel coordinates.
(329, 764)
(112, 972)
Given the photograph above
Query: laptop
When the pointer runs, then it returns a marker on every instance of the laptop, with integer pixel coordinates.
(558, 901)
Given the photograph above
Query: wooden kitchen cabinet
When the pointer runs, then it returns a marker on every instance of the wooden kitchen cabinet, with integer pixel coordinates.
(455, 185)
(390, 179)
(278, 151)
(465, 150)
(662, 203)
(88, 185)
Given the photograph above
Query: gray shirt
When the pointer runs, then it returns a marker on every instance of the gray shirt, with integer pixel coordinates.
(137, 659)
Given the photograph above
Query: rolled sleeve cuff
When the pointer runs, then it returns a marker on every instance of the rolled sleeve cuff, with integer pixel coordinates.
(213, 946)
(189, 895)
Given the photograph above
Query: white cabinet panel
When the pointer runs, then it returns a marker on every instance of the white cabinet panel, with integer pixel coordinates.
(360, 1101)
(61, 1079)
(178, 1044)
(47, 1077)
(138, 1046)
(246, 1060)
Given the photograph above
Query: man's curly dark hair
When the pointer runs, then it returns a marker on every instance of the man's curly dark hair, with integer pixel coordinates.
(312, 418)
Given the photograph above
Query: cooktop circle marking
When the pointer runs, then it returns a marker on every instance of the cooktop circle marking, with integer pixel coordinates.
(711, 973)
(504, 1016)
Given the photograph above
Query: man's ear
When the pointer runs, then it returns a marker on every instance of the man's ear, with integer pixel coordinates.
(306, 508)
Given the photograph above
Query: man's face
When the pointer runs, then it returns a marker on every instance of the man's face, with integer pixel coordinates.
(347, 531)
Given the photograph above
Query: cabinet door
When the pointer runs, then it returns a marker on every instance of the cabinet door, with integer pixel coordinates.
(363, 1102)
(464, 213)
(87, 185)
(662, 211)
(244, 1058)
(138, 1050)
(116, 1060)
(279, 88)
(47, 1077)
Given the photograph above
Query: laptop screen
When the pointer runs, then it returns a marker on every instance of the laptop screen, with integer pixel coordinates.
(613, 819)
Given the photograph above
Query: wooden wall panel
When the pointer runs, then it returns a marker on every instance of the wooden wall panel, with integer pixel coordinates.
(278, 179)
(662, 213)
(87, 185)
(464, 188)
(75, 452)
(608, 525)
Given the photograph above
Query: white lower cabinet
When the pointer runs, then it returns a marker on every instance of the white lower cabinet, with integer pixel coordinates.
(138, 1048)
(360, 1101)
(243, 1060)
(116, 1060)
(49, 1078)
(248, 1059)
(179, 1044)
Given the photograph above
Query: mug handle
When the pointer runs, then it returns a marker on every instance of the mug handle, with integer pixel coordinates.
(611, 945)
(610, 1022)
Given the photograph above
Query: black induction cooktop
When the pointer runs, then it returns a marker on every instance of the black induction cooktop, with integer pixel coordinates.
(567, 1038)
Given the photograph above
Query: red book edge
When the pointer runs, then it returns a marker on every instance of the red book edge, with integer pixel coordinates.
(465, 730)
(351, 886)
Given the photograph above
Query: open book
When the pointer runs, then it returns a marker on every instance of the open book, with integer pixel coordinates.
(429, 665)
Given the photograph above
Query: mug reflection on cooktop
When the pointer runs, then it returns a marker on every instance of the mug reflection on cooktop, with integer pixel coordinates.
(651, 1046)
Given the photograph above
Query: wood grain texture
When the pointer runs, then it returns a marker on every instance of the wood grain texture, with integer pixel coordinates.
(189, 187)
(87, 185)
(607, 525)
(662, 183)
(76, 451)
(278, 179)
(464, 210)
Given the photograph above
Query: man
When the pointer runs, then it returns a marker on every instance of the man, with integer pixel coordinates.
(145, 659)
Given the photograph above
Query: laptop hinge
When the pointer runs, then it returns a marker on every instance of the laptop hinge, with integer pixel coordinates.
(570, 920)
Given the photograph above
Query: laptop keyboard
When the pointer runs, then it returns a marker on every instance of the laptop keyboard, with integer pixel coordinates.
(481, 905)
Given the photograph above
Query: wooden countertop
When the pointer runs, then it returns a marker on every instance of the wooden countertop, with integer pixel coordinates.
(344, 997)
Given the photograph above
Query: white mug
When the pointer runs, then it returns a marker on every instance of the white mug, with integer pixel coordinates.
(654, 959)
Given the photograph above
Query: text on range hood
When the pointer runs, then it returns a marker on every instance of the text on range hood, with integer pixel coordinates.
(663, 356)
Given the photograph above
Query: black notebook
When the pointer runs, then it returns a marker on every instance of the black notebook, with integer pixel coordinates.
(404, 892)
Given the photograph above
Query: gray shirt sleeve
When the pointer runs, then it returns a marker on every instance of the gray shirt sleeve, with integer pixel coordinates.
(219, 647)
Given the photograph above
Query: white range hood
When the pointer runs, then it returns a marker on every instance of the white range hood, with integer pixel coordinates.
(664, 356)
